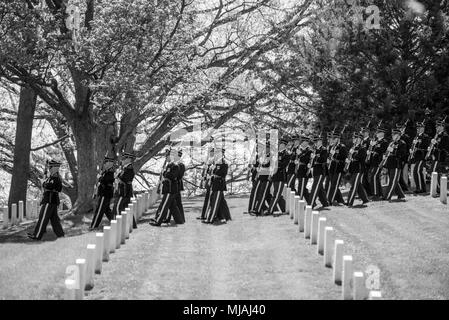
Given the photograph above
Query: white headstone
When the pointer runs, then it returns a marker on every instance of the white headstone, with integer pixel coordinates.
(338, 261)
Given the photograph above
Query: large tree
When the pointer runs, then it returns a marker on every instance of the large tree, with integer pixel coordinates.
(157, 65)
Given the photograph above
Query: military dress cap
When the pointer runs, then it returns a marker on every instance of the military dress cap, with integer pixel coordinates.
(305, 138)
(420, 124)
(364, 129)
(54, 163)
(296, 137)
(396, 131)
(317, 138)
(357, 135)
(440, 122)
(381, 129)
(108, 159)
(128, 155)
(336, 135)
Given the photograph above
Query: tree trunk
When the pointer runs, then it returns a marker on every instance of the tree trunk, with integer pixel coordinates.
(84, 133)
(21, 162)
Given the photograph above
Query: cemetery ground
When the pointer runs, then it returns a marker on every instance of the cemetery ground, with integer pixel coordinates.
(247, 258)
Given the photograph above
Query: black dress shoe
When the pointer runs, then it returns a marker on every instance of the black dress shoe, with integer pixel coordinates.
(204, 221)
(155, 224)
(200, 218)
(32, 237)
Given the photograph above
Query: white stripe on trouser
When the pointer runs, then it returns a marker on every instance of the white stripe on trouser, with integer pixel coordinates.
(98, 212)
(255, 195)
(42, 220)
(418, 172)
(290, 181)
(163, 207)
(375, 180)
(212, 213)
(259, 207)
(301, 194)
(337, 184)
(316, 190)
(329, 187)
(393, 184)
(276, 199)
(355, 186)
(117, 210)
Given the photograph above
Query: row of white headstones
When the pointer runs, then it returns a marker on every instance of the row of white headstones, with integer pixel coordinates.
(80, 276)
(314, 227)
(18, 215)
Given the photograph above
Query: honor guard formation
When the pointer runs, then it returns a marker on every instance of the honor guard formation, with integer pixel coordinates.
(304, 157)
(302, 161)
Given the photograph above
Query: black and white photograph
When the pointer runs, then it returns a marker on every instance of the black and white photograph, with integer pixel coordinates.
(224, 154)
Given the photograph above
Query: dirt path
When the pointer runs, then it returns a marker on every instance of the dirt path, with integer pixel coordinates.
(248, 258)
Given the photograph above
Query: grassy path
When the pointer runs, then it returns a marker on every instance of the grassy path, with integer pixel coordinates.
(248, 258)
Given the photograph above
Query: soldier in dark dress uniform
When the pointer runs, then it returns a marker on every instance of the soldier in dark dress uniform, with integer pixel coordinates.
(263, 184)
(303, 158)
(440, 151)
(354, 166)
(124, 185)
(366, 141)
(218, 210)
(403, 179)
(337, 157)
(254, 183)
(417, 158)
(207, 174)
(170, 188)
(318, 164)
(52, 185)
(182, 169)
(104, 193)
(393, 158)
(278, 178)
(378, 146)
(291, 152)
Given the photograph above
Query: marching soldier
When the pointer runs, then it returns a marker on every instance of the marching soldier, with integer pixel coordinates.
(303, 158)
(104, 193)
(439, 151)
(403, 179)
(278, 179)
(366, 141)
(218, 208)
(182, 169)
(417, 157)
(354, 165)
(291, 176)
(337, 157)
(124, 185)
(317, 165)
(374, 158)
(207, 173)
(52, 185)
(254, 182)
(392, 160)
(262, 197)
(326, 180)
(169, 190)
